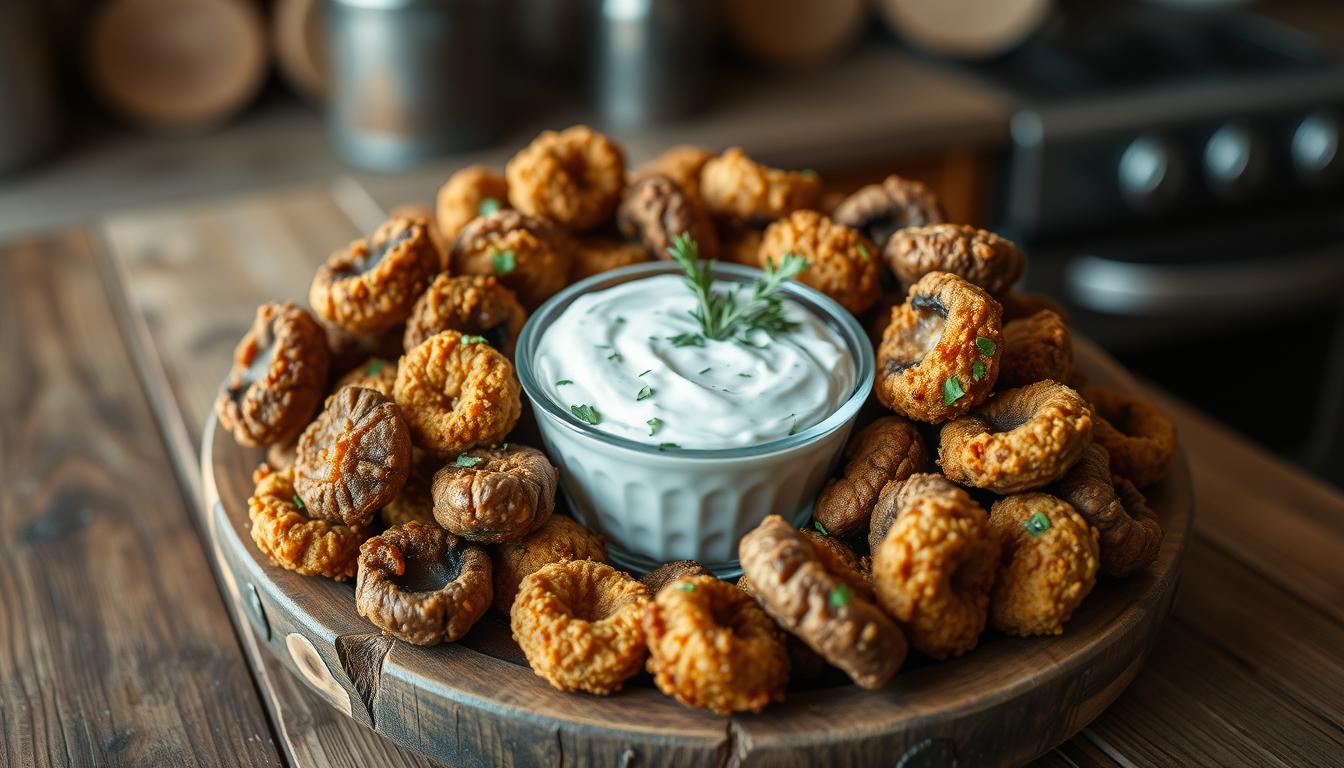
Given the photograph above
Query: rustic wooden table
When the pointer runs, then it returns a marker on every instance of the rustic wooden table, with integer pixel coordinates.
(116, 647)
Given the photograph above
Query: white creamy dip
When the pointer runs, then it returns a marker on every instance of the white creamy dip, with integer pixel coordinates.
(611, 351)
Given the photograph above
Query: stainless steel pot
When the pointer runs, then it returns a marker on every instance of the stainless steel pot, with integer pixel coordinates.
(412, 79)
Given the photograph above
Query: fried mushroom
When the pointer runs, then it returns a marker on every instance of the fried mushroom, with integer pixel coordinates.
(669, 572)
(841, 263)
(371, 285)
(457, 393)
(290, 537)
(734, 185)
(655, 212)
(1036, 348)
(1049, 564)
(1130, 534)
(524, 253)
(595, 255)
(557, 540)
(473, 305)
(979, 257)
(494, 495)
(471, 192)
(573, 177)
(879, 210)
(887, 451)
(1140, 439)
(278, 376)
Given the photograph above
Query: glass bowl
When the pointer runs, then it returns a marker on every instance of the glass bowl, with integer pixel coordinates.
(655, 506)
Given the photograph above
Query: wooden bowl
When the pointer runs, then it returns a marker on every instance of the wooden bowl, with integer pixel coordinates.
(476, 702)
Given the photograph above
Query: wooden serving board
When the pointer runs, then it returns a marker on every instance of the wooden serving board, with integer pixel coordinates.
(476, 702)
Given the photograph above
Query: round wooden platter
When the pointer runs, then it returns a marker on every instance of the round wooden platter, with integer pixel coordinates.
(476, 702)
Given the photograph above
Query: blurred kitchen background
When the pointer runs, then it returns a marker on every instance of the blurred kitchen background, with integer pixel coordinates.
(1172, 168)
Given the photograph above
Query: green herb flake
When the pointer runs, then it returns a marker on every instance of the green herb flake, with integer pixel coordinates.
(503, 262)
(375, 367)
(952, 391)
(642, 375)
(563, 382)
(475, 340)
(586, 413)
(685, 586)
(745, 375)
(503, 446)
(644, 394)
(655, 424)
(487, 206)
(620, 320)
(820, 528)
(463, 460)
(703, 371)
(794, 429)
(987, 347)
(687, 340)
(667, 446)
(863, 252)
(299, 503)
(840, 595)
(1037, 524)
(615, 357)
(977, 371)
(809, 172)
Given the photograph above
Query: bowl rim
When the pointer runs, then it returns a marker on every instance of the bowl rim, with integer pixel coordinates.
(812, 300)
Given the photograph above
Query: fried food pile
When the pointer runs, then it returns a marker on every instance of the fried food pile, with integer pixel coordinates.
(995, 490)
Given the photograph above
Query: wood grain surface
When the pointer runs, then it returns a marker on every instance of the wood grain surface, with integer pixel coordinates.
(1259, 610)
(114, 646)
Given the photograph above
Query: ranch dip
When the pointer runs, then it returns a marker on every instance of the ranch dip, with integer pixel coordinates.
(611, 361)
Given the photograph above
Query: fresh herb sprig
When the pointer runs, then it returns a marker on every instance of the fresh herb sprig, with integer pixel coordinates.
(720, 315)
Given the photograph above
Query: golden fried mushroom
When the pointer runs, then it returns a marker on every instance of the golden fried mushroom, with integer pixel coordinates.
(285, 532)
(1131, 535)
(1036, 348)
(573, 177)
(887, 451)
(734, 185)
(457, 393)
(557, 540)
(495, 494)
(473, 305)
(524, 253)
(1049, 564)
(471, 192)
(371, 285)
(841, 263)
(278, 376)
(879, 210)
(1140, 439)
(979, 257)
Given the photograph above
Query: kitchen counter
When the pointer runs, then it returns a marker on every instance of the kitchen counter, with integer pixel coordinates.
(874, 104)
(119, 648)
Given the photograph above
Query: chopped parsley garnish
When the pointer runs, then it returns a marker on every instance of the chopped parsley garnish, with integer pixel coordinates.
(375, 367)
(745, 375)
(820, 528)
(687, 340)
(503, 446)
(685, 586)
(503, 262)
(703, 371)
(640, 376)
(863, 252)
(463, 460)
(987, 347)
(1037, 524)
(977, 371)
(666, 446)
(952, 391)
(644, 394)
(794, 429)
(488, 206)
(840, 595)
(620, 320)
(586, 413)
(615, 356)
(299, 503)
(475, 340)
(655, 424)
(563, 382)
(720, 316)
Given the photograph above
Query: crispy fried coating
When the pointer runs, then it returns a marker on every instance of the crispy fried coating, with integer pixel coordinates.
(416, 500)
(557, 540)
(711, 646)
(472, 191)
(573, 177)
(456, 393)
(934, 569)
(1140, 439)
(886, 451)
(879, 210)
(526, 254)
(1035, 349)
(371, 285)
(374, 373)
(655, 212)
(278, 376)
(792, 582)
(733, 184)
(681, 164)
(939, 356)
(669, 572)
(595, 255)
(426, 217)
(420, 583)
(1131, 535)
(354, 458)
(1049, 564)
(1021, 439)
(581, 625)
(977, 256)
(285, 533)
(473, 305)
(497, 494)
(841, 262)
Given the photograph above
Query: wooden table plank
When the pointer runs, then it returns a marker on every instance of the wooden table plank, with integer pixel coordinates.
(194, 275)
(116, 647)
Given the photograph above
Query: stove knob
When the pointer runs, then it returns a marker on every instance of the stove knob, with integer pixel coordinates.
(1150, 173)
(1233, 161)
(1316, 148)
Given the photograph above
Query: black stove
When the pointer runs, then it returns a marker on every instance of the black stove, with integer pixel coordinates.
(1177, 177)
